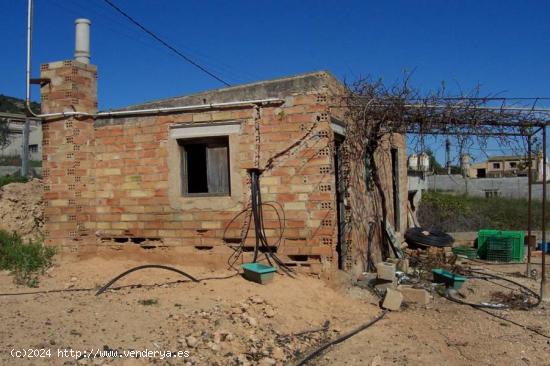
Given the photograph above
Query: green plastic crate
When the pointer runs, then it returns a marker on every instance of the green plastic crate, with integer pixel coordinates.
(517, 237)
(500, 249)
(468, 252)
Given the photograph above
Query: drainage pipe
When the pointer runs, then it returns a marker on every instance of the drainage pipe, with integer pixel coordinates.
(28, 108)
(252, 102)
(543, 290)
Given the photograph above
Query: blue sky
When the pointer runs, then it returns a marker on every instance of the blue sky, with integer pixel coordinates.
(503, 45)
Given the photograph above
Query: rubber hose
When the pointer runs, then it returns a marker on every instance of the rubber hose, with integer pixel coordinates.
(315, 353)
(160, 266)
(435, 238)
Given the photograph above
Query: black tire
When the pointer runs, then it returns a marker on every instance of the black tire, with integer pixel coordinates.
(435, 238)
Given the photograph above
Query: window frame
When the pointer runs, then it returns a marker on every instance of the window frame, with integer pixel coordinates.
(214, 141)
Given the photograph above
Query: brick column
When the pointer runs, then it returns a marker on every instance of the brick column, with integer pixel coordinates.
(68, 150)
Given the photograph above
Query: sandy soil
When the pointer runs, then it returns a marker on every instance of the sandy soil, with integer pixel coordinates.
(232, 321)
(21, 208)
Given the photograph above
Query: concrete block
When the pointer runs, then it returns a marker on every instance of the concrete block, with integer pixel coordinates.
(385, 271)
(383, 285)
(392, 300)
(414, 295)
(403, 265)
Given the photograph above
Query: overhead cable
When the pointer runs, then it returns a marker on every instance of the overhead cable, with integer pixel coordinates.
(164, 43)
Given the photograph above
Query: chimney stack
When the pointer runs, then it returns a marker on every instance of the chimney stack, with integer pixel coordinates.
(82, 40)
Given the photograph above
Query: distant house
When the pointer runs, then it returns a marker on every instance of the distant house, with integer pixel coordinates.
(16, 123)
(501, 166)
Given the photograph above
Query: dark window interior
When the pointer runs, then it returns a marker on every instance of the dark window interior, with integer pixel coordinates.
(196, 168)
(205, 166)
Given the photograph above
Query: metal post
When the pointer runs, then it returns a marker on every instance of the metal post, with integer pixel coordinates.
(544, 295)
(448, 155)
(25, 149)
(529, 206)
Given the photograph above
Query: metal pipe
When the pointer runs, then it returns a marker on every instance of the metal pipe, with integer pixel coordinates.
(442, 106)
(450, 133)
(28, 75)
(28, 108)
(543, 290)
(529, 205)
(190, 107)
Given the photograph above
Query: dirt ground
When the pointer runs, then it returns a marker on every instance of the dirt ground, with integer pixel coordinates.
(21, 208)
(230, 321)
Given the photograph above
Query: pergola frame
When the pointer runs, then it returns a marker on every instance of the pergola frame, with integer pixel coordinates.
(537, 126)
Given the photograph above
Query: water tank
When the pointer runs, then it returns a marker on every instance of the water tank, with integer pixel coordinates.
(424, 162)
(413, 162)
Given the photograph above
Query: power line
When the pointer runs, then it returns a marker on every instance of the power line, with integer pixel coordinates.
(203, 69)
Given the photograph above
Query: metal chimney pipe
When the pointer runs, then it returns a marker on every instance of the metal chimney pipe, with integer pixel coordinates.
(82, 40)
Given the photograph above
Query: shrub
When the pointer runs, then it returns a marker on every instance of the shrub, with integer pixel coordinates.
(26, 261)
(7, 179)
(448, 212)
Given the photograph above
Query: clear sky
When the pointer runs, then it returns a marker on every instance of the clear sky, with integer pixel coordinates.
(503, 45)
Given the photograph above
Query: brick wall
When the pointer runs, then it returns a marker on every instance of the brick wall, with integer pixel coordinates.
(68, 149)
(133, 180)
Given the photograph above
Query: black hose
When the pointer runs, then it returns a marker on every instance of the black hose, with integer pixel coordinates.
(449, 297)
(47, 291)
(505, 264)
(340, 339)
(523, 287)
(281, 218)
(160, 266)
(484, 307)
(534, 330)
(434, 238)
(259, 228)
(114, 288)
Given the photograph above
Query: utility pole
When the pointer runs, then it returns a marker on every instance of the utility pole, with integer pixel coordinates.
(25, 149)
(448, 155)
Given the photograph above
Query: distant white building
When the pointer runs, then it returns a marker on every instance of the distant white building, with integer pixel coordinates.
(420, 162)
(16, 124)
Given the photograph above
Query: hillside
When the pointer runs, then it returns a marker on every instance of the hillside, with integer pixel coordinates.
(15, 105)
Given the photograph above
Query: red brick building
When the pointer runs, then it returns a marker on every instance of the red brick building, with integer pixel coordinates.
(172, 173)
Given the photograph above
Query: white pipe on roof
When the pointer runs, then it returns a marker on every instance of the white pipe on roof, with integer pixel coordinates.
(82, 40)
(191, 107)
